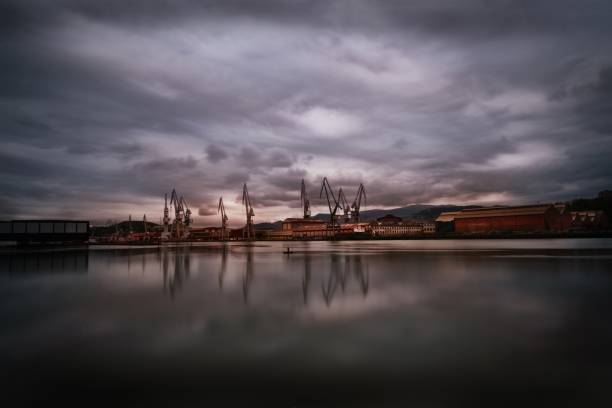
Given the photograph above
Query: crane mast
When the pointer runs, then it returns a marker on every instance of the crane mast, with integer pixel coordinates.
(356, 207)
(186, 211)
(166, 219)
(329, 195)
(345, 205)
(248, 232)
(224, 218)
(305, 200)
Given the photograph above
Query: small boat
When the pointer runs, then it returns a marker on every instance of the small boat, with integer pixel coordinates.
(288, 251)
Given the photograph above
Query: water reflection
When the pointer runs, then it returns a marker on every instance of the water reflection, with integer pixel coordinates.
(306, 277)
(20, 263)
(248, 276)
(223, 268)
(354, 268)
(428, 329)
(173, 279)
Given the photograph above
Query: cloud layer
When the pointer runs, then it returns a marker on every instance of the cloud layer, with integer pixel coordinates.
(106, 106)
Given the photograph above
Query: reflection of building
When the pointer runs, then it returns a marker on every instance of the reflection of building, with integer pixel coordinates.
(529, 218)
(45, 262)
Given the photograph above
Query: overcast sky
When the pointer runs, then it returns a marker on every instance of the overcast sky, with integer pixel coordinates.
(107, 105)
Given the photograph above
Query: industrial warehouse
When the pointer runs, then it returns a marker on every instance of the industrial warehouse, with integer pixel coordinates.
(345, 220)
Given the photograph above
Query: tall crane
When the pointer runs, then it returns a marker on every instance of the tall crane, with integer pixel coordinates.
(346, 208)
(130, 230)
(166, 219)
(144, 222)
(186, 212)
(329, 195)
(356, 207)
(248, 232)
(224, 218)
(305, 200)
(175, 201)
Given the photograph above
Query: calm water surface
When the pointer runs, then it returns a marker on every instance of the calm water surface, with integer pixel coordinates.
(385, 323)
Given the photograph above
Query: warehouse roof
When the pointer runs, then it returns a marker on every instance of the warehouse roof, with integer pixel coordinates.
(447, 216)
(504, 211)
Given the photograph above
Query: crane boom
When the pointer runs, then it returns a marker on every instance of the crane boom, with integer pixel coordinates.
(329, 195)
(356, 207)
(246, 200)
(224, 218)
(345, 205)
(305, 200)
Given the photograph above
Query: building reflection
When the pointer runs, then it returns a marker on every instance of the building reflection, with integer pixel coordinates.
(44, 262)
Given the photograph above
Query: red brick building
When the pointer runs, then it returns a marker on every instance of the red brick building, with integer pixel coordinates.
(529, 218)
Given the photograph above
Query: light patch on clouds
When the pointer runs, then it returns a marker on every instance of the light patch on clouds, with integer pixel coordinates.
(328, 122)
(526, 155)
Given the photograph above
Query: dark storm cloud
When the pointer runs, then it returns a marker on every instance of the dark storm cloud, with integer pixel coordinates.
(214, 153)
(112, 104)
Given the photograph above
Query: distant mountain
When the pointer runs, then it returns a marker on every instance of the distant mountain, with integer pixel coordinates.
(433, 212)
(123, 226)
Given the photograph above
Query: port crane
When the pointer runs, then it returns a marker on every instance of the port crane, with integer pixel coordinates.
(329, 195)
(175, 201)
(144, 223)
(186, 211)
(224, 218)
(248, 231)
(356, 207)
(345, 205)
(305, 200)
(166, 220)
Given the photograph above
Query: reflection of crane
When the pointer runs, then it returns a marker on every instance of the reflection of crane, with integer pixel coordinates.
(361, 194)
(345, 205)
(223, 266)
(306, 277)
(247, 279)
(248, 231)
(224, 218)
(305, 200)
(329, 195)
